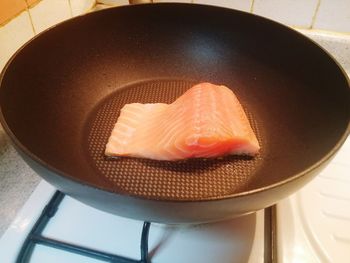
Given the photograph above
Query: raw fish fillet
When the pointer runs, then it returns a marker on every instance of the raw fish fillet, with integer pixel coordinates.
(206, 121)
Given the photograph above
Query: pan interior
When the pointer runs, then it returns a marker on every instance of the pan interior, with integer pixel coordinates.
(193, 179)
(61, 95)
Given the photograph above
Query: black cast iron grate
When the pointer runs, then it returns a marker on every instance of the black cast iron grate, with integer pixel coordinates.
(35, 237)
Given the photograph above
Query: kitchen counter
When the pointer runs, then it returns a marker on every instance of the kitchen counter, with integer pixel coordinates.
(18, 180)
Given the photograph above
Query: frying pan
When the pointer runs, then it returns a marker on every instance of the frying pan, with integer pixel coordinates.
(60, 96)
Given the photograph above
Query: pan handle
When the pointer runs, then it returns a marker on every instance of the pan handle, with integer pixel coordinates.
(140, 1)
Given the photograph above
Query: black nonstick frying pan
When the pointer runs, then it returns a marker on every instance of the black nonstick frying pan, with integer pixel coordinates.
(60, 96)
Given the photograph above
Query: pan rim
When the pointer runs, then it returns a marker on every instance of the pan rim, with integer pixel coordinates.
(54, 170)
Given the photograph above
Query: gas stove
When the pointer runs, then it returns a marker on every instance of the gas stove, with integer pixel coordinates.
(312, 225)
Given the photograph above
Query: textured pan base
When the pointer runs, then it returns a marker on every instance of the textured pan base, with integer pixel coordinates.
(195, 179)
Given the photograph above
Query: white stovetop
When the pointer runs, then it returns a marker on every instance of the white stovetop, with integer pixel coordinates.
(313, 225)
(77, 223)
(318, 216)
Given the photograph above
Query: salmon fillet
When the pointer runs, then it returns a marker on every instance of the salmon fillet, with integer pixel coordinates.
(206, 121)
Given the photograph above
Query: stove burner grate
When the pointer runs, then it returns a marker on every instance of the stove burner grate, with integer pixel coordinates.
(35, 237)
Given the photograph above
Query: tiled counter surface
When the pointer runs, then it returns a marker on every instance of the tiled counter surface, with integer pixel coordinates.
(17, 180)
